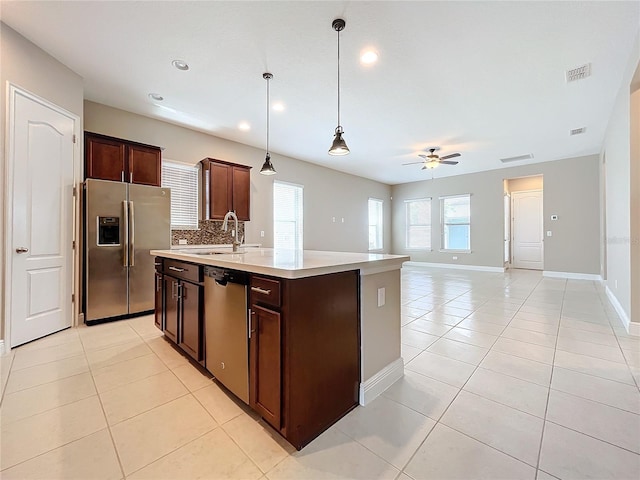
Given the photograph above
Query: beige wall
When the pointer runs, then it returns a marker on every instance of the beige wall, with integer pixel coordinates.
(616, 153)
(570, 191)
(524, 184)
(25, 65)
(327, 193)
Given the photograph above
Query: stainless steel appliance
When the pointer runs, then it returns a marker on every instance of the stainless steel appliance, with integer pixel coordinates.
(226, 329)
(122, 223)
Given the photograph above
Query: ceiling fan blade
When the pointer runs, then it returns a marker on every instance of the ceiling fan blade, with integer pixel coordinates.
(453, 155)
(445, 162)
(422, 155)
(412, 163)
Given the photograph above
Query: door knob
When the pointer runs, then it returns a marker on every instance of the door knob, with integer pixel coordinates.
(22, 250)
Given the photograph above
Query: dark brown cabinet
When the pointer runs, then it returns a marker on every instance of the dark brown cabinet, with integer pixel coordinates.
(109, 158)
(183, 306)
(159, 303)
(225, 187)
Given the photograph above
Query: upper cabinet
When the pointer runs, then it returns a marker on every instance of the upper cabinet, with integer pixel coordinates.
(109, 158)
(225, 186)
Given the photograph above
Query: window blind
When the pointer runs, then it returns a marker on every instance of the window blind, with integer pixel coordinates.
(182, 179)
(287, 216)
(418, 221)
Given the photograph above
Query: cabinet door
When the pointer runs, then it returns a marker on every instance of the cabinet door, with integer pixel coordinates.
(265, 358)
(220, 190)
(158, 313)
(241, 192)
(191, 324)
(171, 308)
(104, 158)
(145, 165)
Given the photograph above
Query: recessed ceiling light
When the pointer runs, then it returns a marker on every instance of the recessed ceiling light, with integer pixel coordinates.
(244, 126)
(180, 65)
(156, 96)
(368, 57)
(278, 106)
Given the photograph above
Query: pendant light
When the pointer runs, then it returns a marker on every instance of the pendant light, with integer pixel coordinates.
(339, 146)
(267, 166)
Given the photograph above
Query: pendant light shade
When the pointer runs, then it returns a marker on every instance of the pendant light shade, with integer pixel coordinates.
(267, 166)
(339, 146)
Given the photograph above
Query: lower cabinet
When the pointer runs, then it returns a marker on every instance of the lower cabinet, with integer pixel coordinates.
(265, 364)
(183, 307)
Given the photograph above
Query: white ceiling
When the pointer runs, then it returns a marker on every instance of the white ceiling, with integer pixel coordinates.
(485, 79)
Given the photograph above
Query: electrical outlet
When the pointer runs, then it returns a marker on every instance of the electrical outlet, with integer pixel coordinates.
(554, 217)
(381, 296)
(549, 233)
(333, 219)
(343, 220)
(182, 241)
(455, 258)
(262, 233)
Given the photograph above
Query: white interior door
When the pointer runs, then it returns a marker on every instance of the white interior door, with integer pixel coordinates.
(41, 166)
(527, 232)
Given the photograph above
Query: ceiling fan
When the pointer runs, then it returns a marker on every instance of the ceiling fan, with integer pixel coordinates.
(432, 160)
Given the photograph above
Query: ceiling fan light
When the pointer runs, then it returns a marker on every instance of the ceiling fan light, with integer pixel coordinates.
(339, 146)
(430, 165)
(267, 166)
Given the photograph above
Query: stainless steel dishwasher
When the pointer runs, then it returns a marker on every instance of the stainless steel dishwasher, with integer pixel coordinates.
(226, 332)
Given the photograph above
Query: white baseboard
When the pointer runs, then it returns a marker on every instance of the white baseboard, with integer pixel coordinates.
(455, 266)
(573, 276)
(382, 380)
(632, 328)
(2, 351)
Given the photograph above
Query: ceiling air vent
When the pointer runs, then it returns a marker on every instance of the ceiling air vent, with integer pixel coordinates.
(515, 159)
(577, 131)
(578, 73)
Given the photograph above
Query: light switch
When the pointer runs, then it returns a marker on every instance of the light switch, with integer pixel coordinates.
(182, 241)
(262, 233)
(549, 233)
(381, 296)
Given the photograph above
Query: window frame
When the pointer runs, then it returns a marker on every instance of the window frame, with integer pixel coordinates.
(299, 221)
(379, 226)
(196, 193)
(443, 224)
(428, 248)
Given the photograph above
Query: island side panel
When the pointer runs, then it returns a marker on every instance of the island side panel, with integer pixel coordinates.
(380, 330)
(321, 352)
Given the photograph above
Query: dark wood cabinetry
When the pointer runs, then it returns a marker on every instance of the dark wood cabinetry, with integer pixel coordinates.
(183, 306)
(304, 352)
(109, 158)
(225, 186)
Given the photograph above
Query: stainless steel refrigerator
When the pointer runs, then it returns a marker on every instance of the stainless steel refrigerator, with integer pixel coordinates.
(123, 221)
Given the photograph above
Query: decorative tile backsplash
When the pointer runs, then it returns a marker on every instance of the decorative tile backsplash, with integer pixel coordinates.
(209, 233)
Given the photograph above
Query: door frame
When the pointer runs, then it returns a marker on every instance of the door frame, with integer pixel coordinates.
(12, 91)
(513, 217)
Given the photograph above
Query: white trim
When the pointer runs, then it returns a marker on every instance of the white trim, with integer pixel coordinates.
(379, 382)
(12, 90)
(572, 276)
(632, 328)
(2, 352)
(455, 266)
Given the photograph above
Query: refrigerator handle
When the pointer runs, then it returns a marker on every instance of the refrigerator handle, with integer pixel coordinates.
(132, 255)
(125, 243)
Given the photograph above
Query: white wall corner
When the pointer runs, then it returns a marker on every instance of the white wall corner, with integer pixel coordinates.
(2, 349)
(455, 266)
(594, 277)
(379, 382)
(632, 328)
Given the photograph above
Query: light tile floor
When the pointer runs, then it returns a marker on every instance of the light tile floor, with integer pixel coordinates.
(506, 376)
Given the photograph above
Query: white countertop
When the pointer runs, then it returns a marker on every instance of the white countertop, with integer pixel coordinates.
(287, 263)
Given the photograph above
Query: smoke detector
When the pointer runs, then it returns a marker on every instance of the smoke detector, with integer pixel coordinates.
(578, 73)
(515, 159)
(577, 131)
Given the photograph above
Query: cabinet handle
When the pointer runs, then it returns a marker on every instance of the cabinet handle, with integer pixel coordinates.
(122, 176)
(174, 290)
(158, 283)
(261, 290)
(176, 269)
(130, 177)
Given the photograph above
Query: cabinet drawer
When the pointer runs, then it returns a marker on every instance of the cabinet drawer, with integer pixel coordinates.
(185, 271)
(265, 290)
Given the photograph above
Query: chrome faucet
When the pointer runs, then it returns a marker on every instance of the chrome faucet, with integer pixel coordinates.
(225, 224)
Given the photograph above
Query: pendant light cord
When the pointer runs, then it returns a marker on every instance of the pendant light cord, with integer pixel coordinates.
(338, 78)
(268, 115)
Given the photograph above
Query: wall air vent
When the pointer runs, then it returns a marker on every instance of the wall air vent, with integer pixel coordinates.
(516, 159)
(578, 73)
(577, 131)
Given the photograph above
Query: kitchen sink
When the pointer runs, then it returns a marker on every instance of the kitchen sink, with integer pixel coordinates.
(218, 252)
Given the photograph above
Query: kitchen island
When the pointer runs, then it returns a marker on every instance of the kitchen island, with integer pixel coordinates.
(323, 334)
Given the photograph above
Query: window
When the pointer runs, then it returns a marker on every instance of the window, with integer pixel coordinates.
(418, 215)
(375, 224)
(287, 216)
(182, 179)
(456, 222)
